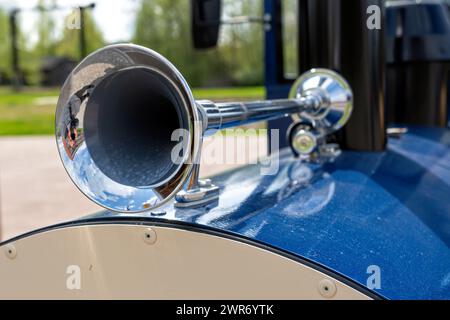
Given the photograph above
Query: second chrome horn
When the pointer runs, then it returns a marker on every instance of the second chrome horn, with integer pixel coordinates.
(121, 108)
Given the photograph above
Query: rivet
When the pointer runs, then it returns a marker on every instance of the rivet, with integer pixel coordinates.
(327, 288)
(10, 251)
(150, 236)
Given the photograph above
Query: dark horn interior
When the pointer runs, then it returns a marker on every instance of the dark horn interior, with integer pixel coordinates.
(128, 124)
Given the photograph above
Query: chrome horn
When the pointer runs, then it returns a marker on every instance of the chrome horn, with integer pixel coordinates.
(119, 112)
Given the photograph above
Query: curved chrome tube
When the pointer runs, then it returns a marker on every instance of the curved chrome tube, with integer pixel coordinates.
(232, 114)
(120, 112)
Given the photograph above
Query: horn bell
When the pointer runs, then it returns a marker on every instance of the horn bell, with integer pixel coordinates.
(115, 124)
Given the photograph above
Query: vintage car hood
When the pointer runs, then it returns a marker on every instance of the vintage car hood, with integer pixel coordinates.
(389, 209)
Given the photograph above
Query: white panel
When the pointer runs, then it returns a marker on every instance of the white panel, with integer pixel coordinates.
(120, 262)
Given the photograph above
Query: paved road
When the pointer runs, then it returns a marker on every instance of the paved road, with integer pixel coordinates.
(35, 191)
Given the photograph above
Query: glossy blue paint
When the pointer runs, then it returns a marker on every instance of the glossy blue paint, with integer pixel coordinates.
(388, 209)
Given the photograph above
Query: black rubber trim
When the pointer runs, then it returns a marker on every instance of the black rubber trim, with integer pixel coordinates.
(158, 222)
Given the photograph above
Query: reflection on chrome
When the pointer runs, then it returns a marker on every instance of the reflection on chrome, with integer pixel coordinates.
(72, 135)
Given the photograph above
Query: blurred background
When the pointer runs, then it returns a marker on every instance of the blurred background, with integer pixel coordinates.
(47, 37)
(42, 40)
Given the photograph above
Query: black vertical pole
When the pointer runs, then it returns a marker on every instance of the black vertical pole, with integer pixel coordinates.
(319, 34)
(334, 34)
(363, 65)
(17, 78)
(83, 49)
(274, 66)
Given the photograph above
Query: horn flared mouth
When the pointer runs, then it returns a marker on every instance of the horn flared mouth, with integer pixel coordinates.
(115, 120)
(129, 121)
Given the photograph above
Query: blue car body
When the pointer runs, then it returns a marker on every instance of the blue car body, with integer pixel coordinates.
(386, 209)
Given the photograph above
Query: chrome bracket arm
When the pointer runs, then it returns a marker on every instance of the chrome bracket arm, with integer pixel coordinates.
(320, 97)
(199, 192)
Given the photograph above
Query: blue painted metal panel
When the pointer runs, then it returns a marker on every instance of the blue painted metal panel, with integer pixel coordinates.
(390, 209)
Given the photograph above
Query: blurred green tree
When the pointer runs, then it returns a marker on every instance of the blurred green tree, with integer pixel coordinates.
(49, 41)
(69, 44)
(31, 54)
(46, 29)
(5, 56)
(164, 25)
(242, 45)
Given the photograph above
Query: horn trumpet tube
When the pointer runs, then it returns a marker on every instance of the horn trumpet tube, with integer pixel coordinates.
(121, 107)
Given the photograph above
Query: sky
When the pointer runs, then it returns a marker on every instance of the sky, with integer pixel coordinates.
(114, 17)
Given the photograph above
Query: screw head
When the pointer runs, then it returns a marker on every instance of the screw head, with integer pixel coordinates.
(149, 236)
(10, 251)
(327, 288)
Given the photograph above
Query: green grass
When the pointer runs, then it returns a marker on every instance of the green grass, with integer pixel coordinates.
(31, 111)
(22, 114)
(246, 93)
